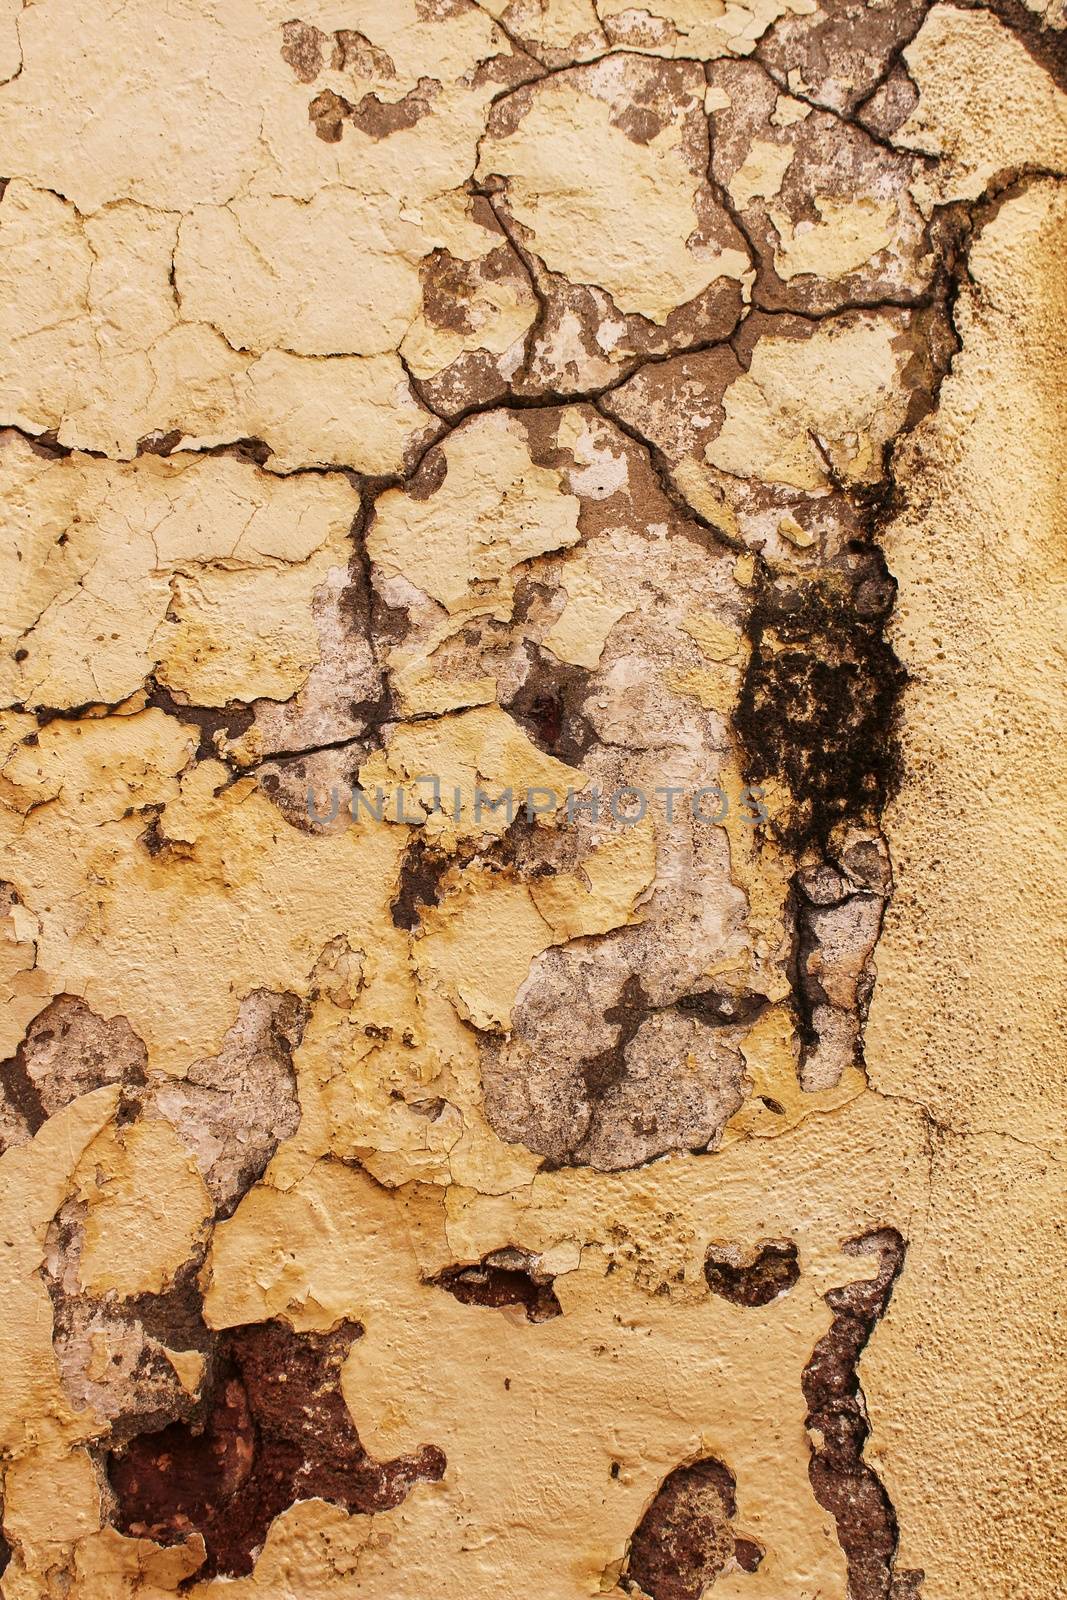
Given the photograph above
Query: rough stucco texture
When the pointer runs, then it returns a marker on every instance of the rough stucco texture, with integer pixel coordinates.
(411, 1188)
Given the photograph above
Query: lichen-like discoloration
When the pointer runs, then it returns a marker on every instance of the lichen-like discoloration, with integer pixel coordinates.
(414, 408)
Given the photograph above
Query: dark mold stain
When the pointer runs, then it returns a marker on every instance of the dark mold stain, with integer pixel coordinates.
(819, 702)
(20, 1092)
(176, 1316)
(152, 1398)
(421, 872)
(233, 720)
(713, 1006)
(156, 842)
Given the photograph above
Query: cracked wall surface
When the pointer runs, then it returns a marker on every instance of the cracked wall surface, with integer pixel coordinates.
(531, 769)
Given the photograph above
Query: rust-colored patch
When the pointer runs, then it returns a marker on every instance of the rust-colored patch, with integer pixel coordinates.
(773, 1272)
(504, 1278)
(838, 1428)
(277, 1430)
(379, 118)
(302, 49)
(685, 1539)
(327, 113)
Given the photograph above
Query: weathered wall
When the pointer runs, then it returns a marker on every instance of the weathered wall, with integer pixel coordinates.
(657, 412)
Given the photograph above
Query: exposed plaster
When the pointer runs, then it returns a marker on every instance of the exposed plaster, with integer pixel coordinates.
(551, 397)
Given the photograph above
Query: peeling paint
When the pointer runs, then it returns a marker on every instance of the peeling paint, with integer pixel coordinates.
(414, 407)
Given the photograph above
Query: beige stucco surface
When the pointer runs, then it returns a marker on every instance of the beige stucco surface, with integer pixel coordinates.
(413, 408)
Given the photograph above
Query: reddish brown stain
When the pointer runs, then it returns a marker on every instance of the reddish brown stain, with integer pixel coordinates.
(685, 1538)
(448, 286)
(327, 113)
(277, 1430)
(842, 1481)
(379, 118)
(773, 1272)
(302, 47)
(488, 1283)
